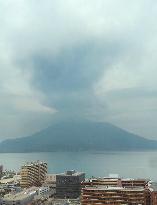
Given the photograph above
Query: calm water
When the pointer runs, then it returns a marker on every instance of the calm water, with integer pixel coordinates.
(126, 164)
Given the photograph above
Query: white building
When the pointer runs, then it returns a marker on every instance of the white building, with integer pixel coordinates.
(50, 178)
(42, 191)
(22, 198)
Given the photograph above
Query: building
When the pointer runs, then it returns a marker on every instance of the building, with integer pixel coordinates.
(134, 182)
(33, 174)
(43, 194)
(15, 180)
(119, 191)
(1, 170)
(50, 179)
(22, 198)
(50, 182)
(44, 191)
(68, 184)
(113, 195)
(112, 182)
(153, 192)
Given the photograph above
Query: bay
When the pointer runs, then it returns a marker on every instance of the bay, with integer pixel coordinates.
(97, 164)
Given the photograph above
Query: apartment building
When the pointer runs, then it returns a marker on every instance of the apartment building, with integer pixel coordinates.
(33, 174)
(112, 182)
(134, 182)
(119, 191)
(114, 195)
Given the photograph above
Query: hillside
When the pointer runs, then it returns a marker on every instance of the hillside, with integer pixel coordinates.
(78, 136)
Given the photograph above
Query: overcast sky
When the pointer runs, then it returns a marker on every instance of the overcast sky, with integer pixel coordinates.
(91, 58)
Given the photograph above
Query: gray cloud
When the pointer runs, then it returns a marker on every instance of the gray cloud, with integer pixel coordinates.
(94, 59)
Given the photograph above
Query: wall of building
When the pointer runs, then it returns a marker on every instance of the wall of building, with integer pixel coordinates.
(113, 196)
(33, 174)
(69, 186)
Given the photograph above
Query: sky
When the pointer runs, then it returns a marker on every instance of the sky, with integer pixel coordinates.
(94, 59)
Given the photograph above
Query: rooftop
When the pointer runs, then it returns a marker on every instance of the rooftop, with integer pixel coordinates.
(70, 173)
(34, 163)
(109, 188)
(116, 179)
(7, 181)
(21, 195)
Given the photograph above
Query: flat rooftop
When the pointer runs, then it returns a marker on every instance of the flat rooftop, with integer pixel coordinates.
(70, 173)
(21, 195)
(7, 181)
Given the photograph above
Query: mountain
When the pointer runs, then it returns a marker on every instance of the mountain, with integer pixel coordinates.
(78, 135)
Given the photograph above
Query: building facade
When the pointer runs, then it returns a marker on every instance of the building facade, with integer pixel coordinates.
(33, 174)
(114, 182)
(118, 191)
(68, 184)
(114, 195)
